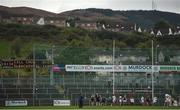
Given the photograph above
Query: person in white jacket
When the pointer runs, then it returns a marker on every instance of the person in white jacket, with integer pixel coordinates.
(120, 100)
(114, 99)
(142, 100)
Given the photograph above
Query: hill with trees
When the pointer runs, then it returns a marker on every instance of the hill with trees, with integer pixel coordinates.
(142, 18)
(16, 40)
(17, 37)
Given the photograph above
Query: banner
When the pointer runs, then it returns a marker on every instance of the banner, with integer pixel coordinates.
(61, 103)
(16, 103)
(167, 68)
(139, 68)
(56, 69)
(121, 68)
(109, 68)
(94, 68)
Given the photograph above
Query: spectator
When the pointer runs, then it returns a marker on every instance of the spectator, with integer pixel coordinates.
(99, 100)
(175, 103)
(168, 100)
(148, 100)
(81, 98)
(114, 99)
(120, 100)
(124, 100)
(142, 100)
(97, 97)
(109, 100)
(103, 101)
(132, 101)
(155, 100)
(92, 100)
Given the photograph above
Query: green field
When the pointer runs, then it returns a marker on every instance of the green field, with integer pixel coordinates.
(94, 107)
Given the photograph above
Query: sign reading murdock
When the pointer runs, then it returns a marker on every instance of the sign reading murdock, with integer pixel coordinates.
(140, 68)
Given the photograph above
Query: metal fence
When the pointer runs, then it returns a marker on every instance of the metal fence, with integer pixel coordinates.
(69, 85)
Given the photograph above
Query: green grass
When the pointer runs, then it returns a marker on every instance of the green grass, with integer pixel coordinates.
(95, 107)
(4, 48)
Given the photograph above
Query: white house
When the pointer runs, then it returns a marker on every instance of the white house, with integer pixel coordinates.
(159, 33)
(41, 21)
(170, 32)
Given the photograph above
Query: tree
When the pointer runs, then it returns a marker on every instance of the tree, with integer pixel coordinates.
(16, 47)
(162, 25)
(71, 22)
(143, 45)
(88, 42)
(121, 44)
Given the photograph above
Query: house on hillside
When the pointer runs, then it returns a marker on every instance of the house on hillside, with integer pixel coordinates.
(28, 20)
(90, 25)
(162, 32)
(6, 20)
(115, 26)
(41, 21)
(121, 57)
(54, 21)
(50, 21)
(139, 29)
(168, 56)
(22, 20)
(137, 56)
(103, 58)
(175, 59)
(177, 30)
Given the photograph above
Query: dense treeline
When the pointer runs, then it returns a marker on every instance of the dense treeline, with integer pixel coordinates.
(81, 38)
(71, 36)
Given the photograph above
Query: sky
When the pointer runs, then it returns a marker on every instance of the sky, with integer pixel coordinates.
(58, 6)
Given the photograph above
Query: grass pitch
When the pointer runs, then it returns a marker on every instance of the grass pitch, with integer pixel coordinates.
(92, 108)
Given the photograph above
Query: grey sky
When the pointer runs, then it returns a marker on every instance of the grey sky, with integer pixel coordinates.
(64, 5)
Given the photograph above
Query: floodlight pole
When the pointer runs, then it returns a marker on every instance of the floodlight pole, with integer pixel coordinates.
(34, 74)
(52, 61)
(152, 71)
(113, 65)
(156, 54)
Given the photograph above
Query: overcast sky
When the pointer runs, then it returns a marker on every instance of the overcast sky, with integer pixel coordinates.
(64, 5)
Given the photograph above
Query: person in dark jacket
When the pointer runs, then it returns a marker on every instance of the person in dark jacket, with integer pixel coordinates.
(81, 99)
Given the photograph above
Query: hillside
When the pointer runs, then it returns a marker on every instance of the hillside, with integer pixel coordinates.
(145, 19)
(94, 15)
(24, 11)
